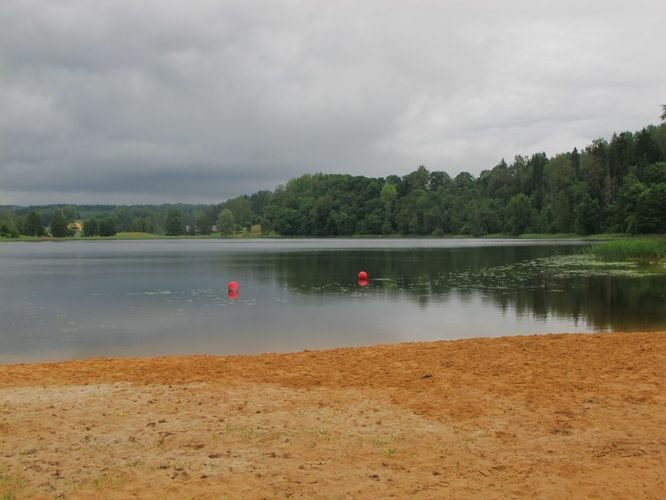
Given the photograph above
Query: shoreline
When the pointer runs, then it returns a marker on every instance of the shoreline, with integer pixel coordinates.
(192, 357)
(499, 236)
(537, 415)
(144, 360)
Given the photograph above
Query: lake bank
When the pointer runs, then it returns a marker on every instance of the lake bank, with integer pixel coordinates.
(546, 416)
(216, 236)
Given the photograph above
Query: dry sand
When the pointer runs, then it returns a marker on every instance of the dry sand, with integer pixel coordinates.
(538, 416)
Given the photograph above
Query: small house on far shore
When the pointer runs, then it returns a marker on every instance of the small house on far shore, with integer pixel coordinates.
(75, 227)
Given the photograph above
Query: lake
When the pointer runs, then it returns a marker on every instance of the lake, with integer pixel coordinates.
(62, 300)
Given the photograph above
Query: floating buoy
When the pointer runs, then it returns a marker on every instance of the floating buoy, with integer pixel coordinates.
(363, 276)
(232, 288)
(362, 282)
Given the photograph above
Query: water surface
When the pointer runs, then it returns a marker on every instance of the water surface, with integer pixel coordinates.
(61, 300)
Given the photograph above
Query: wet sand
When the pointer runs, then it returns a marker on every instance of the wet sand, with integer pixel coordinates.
(580, 416)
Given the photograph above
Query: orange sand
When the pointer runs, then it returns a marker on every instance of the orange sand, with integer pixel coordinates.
(538, 416)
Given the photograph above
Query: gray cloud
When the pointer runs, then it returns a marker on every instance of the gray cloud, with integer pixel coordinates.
(124, 101)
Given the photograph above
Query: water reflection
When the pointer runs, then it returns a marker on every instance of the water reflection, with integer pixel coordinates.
(167, 297)
(426, 276)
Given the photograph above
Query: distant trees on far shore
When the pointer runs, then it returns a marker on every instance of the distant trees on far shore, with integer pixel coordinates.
(59, 225)
(226, 222)
(610, 186)
(173, 225)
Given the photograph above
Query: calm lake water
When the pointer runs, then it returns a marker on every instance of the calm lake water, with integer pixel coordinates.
(61, 300)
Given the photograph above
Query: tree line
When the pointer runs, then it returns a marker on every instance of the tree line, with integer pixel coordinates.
(616, 185)
(609, 186)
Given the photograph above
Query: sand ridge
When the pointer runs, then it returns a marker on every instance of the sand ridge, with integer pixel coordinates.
(534, 416)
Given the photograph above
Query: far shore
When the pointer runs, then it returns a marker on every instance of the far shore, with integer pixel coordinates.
(549, 416)
(216, 236)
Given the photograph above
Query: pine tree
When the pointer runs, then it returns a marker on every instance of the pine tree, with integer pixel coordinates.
(173, 226)
(58, 224)
(33, 225)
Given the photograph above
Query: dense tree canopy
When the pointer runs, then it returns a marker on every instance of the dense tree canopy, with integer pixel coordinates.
(610, 186)
(173, 226)
(58, 225)
(90, 227)
(32, 225)
(107, 227)
(226, 222)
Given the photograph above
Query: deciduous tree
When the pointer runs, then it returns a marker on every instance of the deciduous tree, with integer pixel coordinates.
(226, 222)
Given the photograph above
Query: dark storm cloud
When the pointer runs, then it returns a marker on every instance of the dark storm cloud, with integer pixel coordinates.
(124, 101)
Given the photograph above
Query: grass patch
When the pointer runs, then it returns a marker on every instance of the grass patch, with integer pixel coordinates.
(23, 238)
(645, 250)
(11, 484)
(109, 481)
(246, 432)
(136, 236)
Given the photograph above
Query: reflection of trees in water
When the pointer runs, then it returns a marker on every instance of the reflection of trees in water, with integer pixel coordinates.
(419, 269)
(620, 303)
(435, 275)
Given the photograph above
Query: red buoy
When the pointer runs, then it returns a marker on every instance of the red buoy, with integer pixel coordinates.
(232, 286)
(362, 275)
(362, 282)
(233, 294)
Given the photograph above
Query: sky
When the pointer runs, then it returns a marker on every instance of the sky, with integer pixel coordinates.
(151, 101)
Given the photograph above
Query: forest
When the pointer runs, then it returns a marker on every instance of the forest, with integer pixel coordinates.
(610, 186)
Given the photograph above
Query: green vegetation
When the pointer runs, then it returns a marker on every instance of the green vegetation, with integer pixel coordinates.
(648, 250)
(59, 225)
(173, 226)
(135, 235)
(107, 227)
(12, 484)
(32, 225)
(610, 187)
(616, 186)
(226, 222)
(8, 232)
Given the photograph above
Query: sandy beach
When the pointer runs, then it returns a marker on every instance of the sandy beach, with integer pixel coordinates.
(555, 416)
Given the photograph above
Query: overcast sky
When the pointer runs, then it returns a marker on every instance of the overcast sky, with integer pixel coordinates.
(127, 101)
